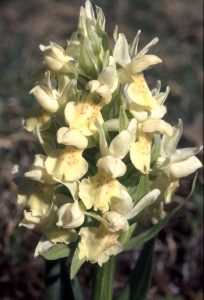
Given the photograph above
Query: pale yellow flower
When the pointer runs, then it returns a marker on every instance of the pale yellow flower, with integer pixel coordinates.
(98, 244)
(70, 215)
(82, 116)
(46, 97)
(38, 171)
(40, 122)
(103, 190)
(117, 221)
(67, 164)
(57, 59)
(106, 84)
(61, 235)
(138, 92)
(132, 61)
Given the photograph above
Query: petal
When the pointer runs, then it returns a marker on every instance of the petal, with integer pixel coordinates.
(138, 92)
(161, 126)
(119, 146)
(138, 112)
(117, 221)
(112, 165)
(71, 137)
(82, 116)
(169, 143)
(123, 204)
(102, 139)
(45, 98)
(70, 215)
(184, 168)
(159, 112)
(185, 153)
(61, 235)
(68, 165)
(86, 193)
(147, 200)
(142, 63)
(121, 50)
(101, 240)
(140, 153)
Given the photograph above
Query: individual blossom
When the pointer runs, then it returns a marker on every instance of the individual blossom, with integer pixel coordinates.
(131, 61)
(68, 164)
(56, 58)
(103, 189)
(40, 122)
(70, 215)
(174, 164)
(46, 97)
(106, 84)
(103, 242)
(83, 115)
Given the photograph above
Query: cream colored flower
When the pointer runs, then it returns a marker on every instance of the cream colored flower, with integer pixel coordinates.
(106, 84)
(120, 145)
(138, 93)
(82, 116)
(71, 137)
(122, 211)
(38, 200)
(70, 215)
(56, 58)
(172, 164)
(41, 122)
(61, 235)
(117, 222)
(140, 152)
(46, 97)
(67, 164)
(38, 171)
(102, 190)
(98, 244)
(132, 61)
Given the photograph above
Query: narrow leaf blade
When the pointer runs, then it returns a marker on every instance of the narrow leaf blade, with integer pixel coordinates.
(56, 251)
(151, 232)
(138, 284)
(76, 263)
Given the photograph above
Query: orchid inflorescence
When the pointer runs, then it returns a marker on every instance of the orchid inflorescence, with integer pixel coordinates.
(101, 131)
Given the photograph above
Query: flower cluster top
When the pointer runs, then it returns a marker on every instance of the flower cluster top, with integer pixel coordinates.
(100, 129)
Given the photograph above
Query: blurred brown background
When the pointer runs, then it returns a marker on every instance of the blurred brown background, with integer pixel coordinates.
(23, 26)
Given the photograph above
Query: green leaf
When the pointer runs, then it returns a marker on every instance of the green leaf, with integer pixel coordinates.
(138, 284)
(103, 283)
(151, 232)
(76, 289)
(125, 236)
(123, 119)
(142, 188)
(155, 148)
(76, 263)
(56, 251)
(52, 280)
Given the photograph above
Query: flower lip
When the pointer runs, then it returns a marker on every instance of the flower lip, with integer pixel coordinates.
(71, 137)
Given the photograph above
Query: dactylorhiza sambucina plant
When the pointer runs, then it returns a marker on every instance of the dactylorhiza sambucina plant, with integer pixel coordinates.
(106, 160)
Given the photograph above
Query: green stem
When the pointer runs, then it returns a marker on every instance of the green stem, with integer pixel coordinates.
(103, 282)
(58, 285)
